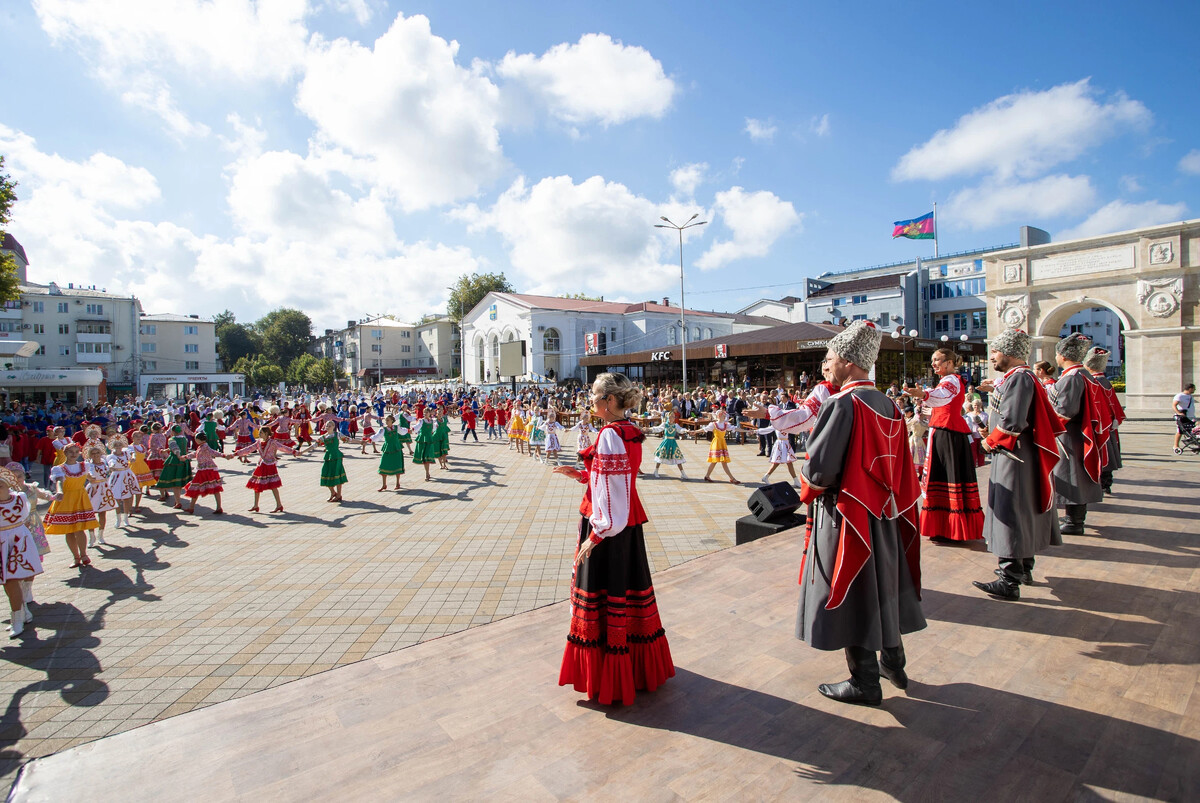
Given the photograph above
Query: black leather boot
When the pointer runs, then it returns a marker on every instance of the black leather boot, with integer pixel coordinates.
(1073, 523)
(863, 686)
(1027, 575)
(891, 666)
(1003, 588)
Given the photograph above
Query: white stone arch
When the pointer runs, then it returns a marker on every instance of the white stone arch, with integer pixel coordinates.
(1051, 323)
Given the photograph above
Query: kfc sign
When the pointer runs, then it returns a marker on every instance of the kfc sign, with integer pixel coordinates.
(659, 356)
(591, 343)
(721, 350)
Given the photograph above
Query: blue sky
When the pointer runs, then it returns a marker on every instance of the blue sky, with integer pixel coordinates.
(353, 157)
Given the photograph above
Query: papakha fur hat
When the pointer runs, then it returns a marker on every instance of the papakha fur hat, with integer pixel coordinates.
(1014, 343)
(1074, 347)
(858, 343)
(1096, 359)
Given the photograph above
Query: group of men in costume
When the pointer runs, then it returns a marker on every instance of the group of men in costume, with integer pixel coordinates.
(860, 576)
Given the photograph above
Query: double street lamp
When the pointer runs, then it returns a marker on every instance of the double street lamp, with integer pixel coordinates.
(667, 224)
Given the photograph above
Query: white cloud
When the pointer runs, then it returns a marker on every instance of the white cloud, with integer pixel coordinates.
(424, 126)
(687, 178)
(756, 220)
(1130, 184)
(247, 139)
(594, 80)
(1023, 134)
(595, 236)
(1123, 216)
(760, 129)
(137, 49)
(1190, 163)
(360, 9)
(996, 202)
(820, 125)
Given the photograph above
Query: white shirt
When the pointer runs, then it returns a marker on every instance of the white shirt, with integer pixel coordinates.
(1187, 403)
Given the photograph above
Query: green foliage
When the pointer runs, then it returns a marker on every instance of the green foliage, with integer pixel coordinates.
(582, 296)
(1118, 386)
(297, 370)
(469, 290)
(286, 334)
(321, 373)
(268, 375)
(259, 372)
(10, 289)
(235, 340)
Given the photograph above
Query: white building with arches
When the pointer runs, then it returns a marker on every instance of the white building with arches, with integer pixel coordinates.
(557, 332)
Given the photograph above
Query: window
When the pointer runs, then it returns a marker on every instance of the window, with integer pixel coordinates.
(39, 306)
(406, 333)
(377, 348)
(10, 326)
(859, 318)
(979, 319)
(708, 333)
(191, 348)
(41, 350)
(885, 319)
(960, 321)
(941, 324)
(1076, 328)
(95, 309)
(191, 330)
(148, 329)
(551, 341)
(406, 363)
(149, 348)
(149, 365)
(191, 365)
(63, 306)
(12, 304)
(93, 348)
(671, 335)
(377, 334)
(858, 300)
(63, 351)
(420, 347)
(406, 349)
(93, 328)
(612, 334)
(695, 333)
(64, 328)
(39, 328)
(837, 302)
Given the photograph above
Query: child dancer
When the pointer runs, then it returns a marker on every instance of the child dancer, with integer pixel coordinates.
(71, 513)
(717, 451)
(136, 452)
(668, 451)
(19, 559)
(176, 471)
(441, 435)
(585, 431)
(537, 436)
(391, 463)
(266, 475)
(99, 491)
(553, 444)
(489, 419)
(367, 419)
(501, 421)
(333, 470)
(61, 442)
(516, 430)
(243, 431)
(426, 450)
(207, 480)
(33, 493)
(122, 481)
(781, 454)
(156, 452)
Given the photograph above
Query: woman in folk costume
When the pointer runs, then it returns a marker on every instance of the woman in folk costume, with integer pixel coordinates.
(800, 420)
(1044, 372)
(280, 424)
(425, 451)
(207, 480)
(33, 493)
(391, 462)
(177, 471)
(136, 452)
(71, 513)
(404, 427)
(333, 468)
(265, 476)
(616, 645)
(668, 451)
(367, 419)
(61, 442)
(303, 420)
(441, 434)
(718, 452)
(19, 558)
(951, 511)
(1021, 520)
(1095, 362)
(156, 454)
(860, 576)
(122, 480)
(99, 490)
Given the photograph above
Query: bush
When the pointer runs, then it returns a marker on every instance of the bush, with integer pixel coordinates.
(1119, 386)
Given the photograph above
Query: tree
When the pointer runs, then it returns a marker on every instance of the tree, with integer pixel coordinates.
(321, 373)
(582, 296)
(234, 340)
(268, 374)
(469, 290)
(10, 289)
(297, 370)
(286, 334)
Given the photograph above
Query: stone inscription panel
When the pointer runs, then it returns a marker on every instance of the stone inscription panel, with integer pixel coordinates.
(1120, 258)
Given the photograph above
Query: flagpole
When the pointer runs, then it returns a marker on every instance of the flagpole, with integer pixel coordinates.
(935, 244)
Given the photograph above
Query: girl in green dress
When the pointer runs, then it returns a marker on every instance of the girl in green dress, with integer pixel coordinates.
(442, 435)
(668, 451)
(391, 463)
(425, 451)
(333, 470)
(404, 425)
(177, 469)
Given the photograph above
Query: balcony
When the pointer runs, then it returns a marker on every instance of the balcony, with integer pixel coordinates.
(81, 337)
(93, 359)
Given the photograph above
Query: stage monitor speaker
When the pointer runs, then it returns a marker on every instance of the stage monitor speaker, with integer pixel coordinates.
(749, 529)
(773, 502)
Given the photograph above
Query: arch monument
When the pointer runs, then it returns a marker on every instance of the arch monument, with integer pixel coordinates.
(1149, 277)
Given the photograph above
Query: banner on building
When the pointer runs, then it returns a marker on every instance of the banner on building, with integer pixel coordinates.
(721, 351)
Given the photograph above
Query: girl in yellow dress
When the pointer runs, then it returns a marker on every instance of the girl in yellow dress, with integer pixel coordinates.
(61, 441)
(136, 453)
(71, 513)
(516, 430)
(718, 452)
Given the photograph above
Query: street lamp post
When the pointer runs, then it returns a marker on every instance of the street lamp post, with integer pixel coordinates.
(904, 341)
(667, 224)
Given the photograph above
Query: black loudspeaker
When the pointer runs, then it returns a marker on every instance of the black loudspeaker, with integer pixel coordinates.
(773, 502)
(750, 529)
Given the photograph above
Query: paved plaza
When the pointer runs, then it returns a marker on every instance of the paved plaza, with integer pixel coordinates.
(1085, 689)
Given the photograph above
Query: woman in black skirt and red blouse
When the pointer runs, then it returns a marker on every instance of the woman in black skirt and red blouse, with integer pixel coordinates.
(616, 645)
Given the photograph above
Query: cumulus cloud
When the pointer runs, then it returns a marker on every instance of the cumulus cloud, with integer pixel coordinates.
(360, 9)
(424, 125)
(136, 51)
(1190, 163)
(596, 236)
(760, 129)
(820, 125)
(596, 79)
(1023, 134)
(755, 219)
(996, 202)
(687, 178)
(1122, 216)
(1130, 184)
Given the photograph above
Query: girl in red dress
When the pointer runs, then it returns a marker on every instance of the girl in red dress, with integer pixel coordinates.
(266, 476)
(207, 480)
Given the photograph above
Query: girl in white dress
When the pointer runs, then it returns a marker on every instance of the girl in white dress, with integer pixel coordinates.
(99, 492)
(552, 429)
(19, 559)
(122, 481)
(33, 493)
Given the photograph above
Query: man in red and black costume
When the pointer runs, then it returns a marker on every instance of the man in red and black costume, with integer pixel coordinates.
(1096, 361)
(861, 573)
(1078, 402)
(1020, 519)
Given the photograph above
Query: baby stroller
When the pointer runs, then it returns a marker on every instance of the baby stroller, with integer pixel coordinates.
(1190, 438)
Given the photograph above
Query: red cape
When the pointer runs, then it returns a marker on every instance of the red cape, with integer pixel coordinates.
(1047, 426)
(878, 481)
(1099, 414)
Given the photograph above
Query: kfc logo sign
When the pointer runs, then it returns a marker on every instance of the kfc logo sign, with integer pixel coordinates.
(659, 356)
(721, 350)
(591, 343)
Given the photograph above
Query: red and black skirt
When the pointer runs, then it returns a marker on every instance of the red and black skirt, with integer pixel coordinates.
(264, 478)
(951, 508)
(205, 482)
(616, 645)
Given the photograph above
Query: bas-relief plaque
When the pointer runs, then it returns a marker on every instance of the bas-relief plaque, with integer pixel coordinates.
(1119, 258)
(1014, 272)
(1161, 253)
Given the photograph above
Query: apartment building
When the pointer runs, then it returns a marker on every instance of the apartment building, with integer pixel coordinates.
(179, 357)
